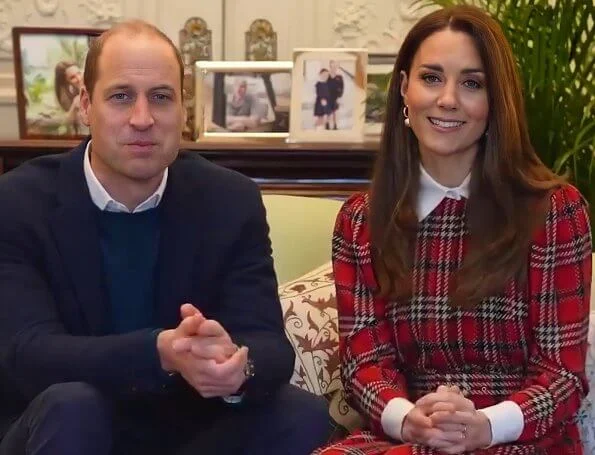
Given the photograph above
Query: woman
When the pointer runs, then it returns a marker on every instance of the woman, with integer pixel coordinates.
(463, 277)
(68, 81)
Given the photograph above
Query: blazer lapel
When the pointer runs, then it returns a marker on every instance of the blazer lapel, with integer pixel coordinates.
(74, 226)
(180, 229)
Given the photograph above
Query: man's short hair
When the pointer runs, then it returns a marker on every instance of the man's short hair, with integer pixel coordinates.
(132, 28)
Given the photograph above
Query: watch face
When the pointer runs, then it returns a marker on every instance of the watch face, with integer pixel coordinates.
(249, 368)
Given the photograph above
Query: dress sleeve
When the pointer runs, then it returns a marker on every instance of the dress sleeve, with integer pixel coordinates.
(369, 371)
(559, 283)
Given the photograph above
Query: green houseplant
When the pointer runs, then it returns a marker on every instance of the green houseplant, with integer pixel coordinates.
(554, 43)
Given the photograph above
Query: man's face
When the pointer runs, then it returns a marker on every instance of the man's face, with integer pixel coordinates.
(136, 115)
(333, 67)
(242, 89)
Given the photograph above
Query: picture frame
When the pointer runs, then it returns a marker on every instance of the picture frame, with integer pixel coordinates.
(378, 81)
(378, 58)
(328, 95)
(48, 67)
(242, 99)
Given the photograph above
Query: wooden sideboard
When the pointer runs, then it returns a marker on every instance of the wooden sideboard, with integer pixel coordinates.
(278, 166)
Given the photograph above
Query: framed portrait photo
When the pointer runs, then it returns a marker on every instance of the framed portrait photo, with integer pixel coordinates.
(242, 99)
(329, 95)
(49, 65)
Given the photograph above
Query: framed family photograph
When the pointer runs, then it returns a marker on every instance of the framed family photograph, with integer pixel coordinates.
(49, 64)
(242, 99)
(328, 95)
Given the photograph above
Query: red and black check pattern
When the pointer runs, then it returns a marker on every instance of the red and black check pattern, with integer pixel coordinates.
(527, 345)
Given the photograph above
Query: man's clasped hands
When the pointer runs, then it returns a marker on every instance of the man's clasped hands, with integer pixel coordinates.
(203, 353)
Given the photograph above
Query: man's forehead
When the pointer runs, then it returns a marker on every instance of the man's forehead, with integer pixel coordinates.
(121, 42)
(136, 55)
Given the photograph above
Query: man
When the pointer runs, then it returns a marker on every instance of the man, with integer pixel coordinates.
(138, 310)
(241, 110)
(335, 86)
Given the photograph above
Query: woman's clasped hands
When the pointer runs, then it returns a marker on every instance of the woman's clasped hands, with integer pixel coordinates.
(447, 421)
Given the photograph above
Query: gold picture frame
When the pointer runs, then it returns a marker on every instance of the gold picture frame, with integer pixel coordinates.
(242, 99)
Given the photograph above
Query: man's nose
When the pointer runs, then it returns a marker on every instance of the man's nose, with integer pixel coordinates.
(141, 116)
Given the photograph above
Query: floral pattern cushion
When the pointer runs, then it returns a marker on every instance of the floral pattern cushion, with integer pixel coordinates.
(310, 316)
(586, 414)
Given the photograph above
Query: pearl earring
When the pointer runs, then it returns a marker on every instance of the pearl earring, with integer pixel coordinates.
(406, 115)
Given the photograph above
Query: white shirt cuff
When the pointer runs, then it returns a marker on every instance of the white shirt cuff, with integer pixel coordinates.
(393, 415)
(233, 399)
(507, 422)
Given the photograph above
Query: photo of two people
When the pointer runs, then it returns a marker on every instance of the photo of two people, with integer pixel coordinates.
(329, 93)
(49, 74)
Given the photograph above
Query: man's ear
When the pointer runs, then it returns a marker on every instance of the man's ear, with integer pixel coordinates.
(85, 105)
(404, 85)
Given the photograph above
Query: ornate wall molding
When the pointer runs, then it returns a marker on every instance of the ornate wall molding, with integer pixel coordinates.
(379, 25)
(100, 13)
(352, 21)
(47, 7)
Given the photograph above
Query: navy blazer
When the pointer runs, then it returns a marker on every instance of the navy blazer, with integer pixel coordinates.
(214, 253)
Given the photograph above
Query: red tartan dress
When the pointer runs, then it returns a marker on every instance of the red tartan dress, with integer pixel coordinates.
(527, 345)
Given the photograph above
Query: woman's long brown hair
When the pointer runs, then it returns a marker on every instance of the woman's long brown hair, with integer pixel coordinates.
(61, 85)
(509, 184)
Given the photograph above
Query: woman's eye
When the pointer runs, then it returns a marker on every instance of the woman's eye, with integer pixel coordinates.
(430, 78)
(472, 84)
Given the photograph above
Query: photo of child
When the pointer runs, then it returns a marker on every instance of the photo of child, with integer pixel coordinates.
(329, 88)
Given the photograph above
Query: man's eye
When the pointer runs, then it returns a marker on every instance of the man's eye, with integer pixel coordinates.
(161, 97)
(119, 96)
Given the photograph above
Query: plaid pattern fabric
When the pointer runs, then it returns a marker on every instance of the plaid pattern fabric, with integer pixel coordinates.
(527, 344)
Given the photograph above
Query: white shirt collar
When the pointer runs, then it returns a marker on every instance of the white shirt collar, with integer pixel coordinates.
(431, 193)
(105, 202)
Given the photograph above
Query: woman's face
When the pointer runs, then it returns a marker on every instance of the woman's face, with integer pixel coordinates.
(447, 97)
(74, 76)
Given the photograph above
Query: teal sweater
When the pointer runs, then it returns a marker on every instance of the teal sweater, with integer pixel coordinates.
(129, 247)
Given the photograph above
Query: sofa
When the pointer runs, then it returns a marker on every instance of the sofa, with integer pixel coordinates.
(301, 231)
